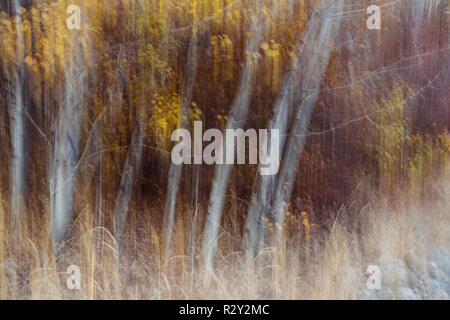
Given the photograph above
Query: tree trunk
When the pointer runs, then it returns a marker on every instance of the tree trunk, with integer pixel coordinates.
(130, 169)
(67, 146)
(18, 132)
(314, 57)
(237, 119)
(175, 170)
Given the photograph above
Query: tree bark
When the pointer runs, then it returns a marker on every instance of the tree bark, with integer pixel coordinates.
(175, 170)
(237, 119)
(314, 56)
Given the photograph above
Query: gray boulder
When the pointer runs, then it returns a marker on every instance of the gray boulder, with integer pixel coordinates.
(416, 265)
(437, 274)
(434, 291)
(367, 294)
(442, 260)
(393, 273)
(417, 283)
(393, 276)
(385, 294)
(405, 293)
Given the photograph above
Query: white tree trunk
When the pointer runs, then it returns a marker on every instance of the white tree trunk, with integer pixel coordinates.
(18, 163)
(265, 185)
(175, 170)
(130, 170)
(314, 57)
(67, 147)
(18, 177)
(306, 72)
(237, 119)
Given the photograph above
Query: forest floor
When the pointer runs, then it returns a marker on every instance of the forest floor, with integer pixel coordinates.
(408, 245)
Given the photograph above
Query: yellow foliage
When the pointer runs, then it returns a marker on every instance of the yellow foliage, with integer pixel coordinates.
(166, 117)
(417, 156)
(389, 132)
(427, 156)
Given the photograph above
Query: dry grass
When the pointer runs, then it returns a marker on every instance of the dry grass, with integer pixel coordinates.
(332, 268)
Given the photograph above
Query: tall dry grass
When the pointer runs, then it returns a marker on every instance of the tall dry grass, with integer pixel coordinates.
(312, 262)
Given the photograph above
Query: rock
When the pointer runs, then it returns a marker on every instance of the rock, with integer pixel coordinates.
(437, 274)
(416, 265)
(393, 276)
(401, 263)
(436, 255)
(434, 291)
(393, 273)
(385, 294)
(405, 293)
(367, 294)
(417, 283)
(432, 287)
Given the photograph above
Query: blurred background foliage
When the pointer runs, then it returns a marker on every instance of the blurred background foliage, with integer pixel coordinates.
(379, 119)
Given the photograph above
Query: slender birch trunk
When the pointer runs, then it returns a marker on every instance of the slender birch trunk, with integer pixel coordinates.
(265, 185)
(66, 149)
(18, 174)
(314, 57)
(175, 170)
(306, 65)
(130, 170)
(237, 119)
